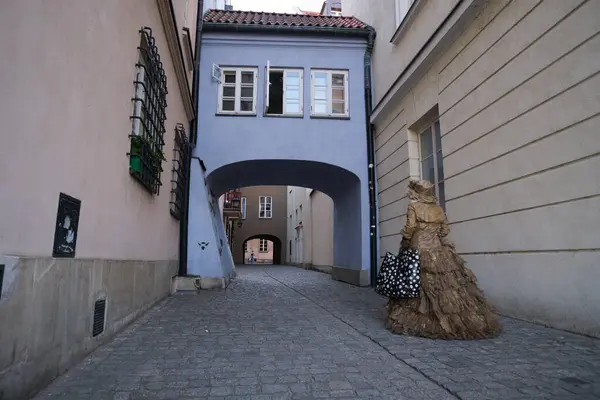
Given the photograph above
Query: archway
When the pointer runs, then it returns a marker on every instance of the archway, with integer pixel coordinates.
(349, 194)
(276, 247)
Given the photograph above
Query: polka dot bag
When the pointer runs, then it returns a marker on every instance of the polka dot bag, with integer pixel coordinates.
(400, 276)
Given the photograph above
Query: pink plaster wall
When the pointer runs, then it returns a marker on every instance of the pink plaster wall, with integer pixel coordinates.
(66, 83)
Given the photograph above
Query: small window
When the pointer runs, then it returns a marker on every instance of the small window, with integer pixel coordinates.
(265, 207)
(432, 160)
(263, 246)
(329, 93)
(284, 95)
(237, 91)
(402, 8)
(243, 207)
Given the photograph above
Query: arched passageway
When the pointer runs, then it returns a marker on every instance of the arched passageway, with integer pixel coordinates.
(348, 192)
(276, 243)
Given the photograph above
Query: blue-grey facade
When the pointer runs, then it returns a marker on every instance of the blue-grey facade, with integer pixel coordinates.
(327, 154)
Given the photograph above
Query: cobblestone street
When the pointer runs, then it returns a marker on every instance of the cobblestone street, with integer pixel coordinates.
(287, 333)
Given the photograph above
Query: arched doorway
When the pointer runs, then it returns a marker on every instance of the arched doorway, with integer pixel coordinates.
(276, 246)
(351, 233)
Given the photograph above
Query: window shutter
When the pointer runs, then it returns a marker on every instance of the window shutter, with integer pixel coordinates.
(312, 91)
(267, 84)
(255, 90)
(301, 89)
(346, 93)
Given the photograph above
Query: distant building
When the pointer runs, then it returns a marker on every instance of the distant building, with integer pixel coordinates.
(310, 229)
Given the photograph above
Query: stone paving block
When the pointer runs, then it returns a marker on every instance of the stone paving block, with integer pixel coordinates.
(286, 333)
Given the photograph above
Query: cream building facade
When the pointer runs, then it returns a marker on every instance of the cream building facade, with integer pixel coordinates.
(497, 102)
(310, 229)
(71, 281)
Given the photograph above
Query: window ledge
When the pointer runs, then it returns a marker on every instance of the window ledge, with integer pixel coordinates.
(408, 20)
(234, 114)
(338, 117)
(283, 115)
(265, 217)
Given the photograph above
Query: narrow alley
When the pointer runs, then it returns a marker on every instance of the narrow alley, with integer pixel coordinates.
(281, 332)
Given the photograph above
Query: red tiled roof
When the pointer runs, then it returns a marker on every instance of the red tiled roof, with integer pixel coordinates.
(266, 18)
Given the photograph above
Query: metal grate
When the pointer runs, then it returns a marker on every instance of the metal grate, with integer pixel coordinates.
(99, 314)
(1, 278)
(149, 115)
(179, 177)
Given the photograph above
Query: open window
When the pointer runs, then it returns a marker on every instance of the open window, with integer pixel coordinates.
(284, 94)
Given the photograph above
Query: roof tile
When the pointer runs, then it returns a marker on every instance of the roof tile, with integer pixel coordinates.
(266, 18)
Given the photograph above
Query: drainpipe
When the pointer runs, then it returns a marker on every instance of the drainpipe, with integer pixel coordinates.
(371, 157)
(183, 226)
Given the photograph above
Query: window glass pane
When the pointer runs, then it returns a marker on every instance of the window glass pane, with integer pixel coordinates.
(292, 107)
(229, 91)
(229, 76)
(247, 92)
(426, 144)
(320, 107)
(246, 105)
(262, 214)
(337, 80)
(320, 94)
(320, 79)
(438, 136)
(293, 94)
(247, 77)
(293, 78)
(427, 169)
(338, 108)
(338, 94)
(228, 105)
(440, 166)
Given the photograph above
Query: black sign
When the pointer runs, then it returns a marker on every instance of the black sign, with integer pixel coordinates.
(67, 222)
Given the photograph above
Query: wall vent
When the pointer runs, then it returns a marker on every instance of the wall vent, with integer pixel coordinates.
(99, 313)
(1, 279)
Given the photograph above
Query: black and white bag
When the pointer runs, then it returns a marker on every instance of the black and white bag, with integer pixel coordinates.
(400, 276)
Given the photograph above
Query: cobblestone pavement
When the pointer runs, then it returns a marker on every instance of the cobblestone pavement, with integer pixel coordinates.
(286, 333)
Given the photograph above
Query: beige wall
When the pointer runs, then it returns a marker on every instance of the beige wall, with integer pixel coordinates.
(322, 229)
(517, 96)
(299, 225)
(310, 227)
(254, 226)
(65, 104)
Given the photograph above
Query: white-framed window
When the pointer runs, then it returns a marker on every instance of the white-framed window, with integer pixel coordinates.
(263, 246)
(329, 93)
(243, 207)
(432, 160)
(265, 207)
(237, 91)
(284, 94)
(402, 7)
